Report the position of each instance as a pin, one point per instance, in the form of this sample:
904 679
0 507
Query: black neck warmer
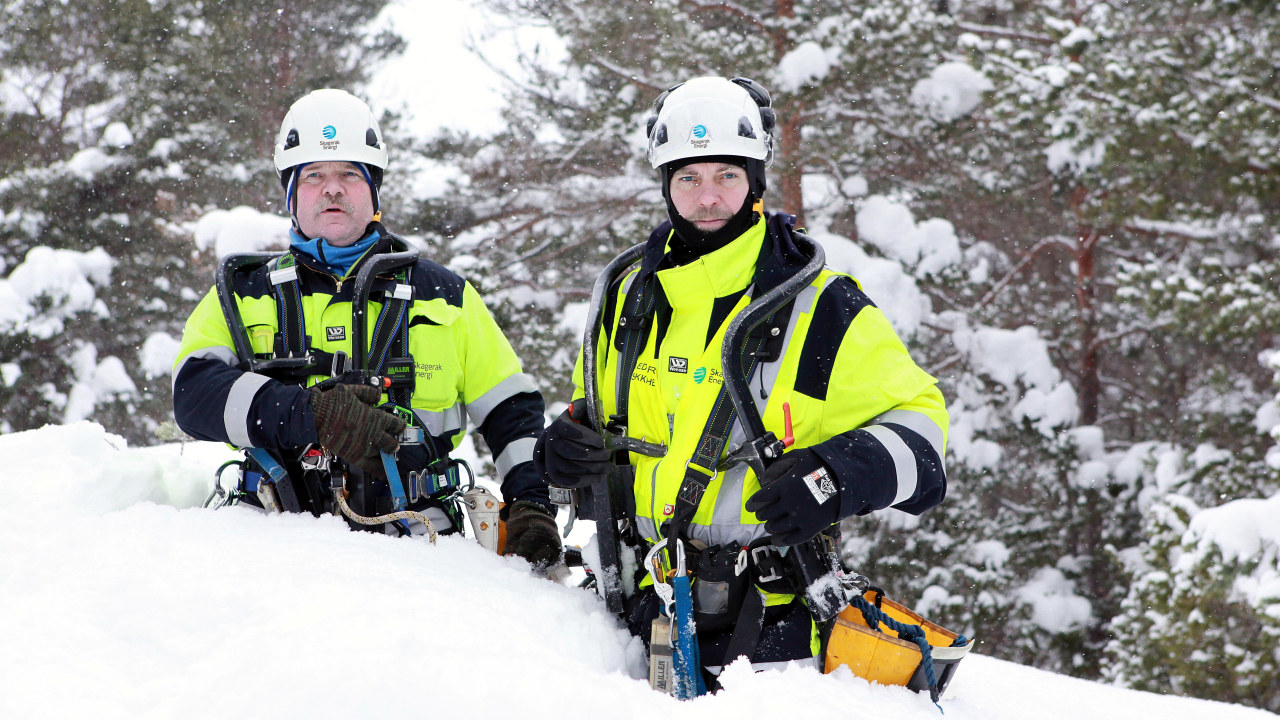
689 242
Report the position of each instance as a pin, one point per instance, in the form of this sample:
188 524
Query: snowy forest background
1069 209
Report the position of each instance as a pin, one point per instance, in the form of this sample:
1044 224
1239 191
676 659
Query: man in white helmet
864 426
302 397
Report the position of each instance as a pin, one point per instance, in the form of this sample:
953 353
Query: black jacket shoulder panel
432 280
834 312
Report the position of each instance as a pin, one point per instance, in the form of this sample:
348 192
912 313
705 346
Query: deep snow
121 597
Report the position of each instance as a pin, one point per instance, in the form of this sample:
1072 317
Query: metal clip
653 564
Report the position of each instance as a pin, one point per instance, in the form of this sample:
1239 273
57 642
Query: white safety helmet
711 116
330 125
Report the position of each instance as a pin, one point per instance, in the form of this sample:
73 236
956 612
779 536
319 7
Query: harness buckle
768 563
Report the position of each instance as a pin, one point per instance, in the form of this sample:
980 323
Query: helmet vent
744 128
292 140
371 138
660 136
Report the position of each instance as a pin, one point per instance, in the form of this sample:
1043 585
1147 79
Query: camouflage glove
532 534
352 428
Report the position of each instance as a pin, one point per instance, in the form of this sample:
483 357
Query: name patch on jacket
678 365
335 333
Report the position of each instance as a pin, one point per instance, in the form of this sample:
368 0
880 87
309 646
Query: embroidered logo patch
668 509
335 333
821 484
678 365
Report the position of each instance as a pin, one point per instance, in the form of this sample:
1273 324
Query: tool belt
725 576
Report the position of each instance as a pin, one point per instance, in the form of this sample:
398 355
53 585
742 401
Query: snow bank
123 599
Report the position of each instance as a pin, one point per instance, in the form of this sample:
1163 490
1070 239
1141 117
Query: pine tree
135 121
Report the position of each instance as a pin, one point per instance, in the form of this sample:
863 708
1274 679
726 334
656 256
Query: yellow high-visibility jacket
855 395
463 366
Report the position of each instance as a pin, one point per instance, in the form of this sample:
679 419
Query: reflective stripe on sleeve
235 414
516 452
216 352
917 422
904 461
480 408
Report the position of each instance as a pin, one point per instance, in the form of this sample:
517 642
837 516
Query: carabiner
653 564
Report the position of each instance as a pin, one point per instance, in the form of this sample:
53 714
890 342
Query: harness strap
702 467
291 341
635 321
391 333
747 629
388 350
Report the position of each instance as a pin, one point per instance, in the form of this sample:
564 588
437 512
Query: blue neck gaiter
337 259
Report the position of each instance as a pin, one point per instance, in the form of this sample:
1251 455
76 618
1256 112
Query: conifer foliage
1068 210
120 125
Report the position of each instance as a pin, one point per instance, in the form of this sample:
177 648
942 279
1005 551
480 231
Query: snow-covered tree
1089 284
119 128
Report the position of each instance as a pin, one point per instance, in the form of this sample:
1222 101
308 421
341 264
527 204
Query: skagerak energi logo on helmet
700 140
329 132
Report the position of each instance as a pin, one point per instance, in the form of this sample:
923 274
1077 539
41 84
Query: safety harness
295 359
761 564
832 595
388 350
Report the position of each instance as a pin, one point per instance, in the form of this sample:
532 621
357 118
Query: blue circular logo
329 132
699 131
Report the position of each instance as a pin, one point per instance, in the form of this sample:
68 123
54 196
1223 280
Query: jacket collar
386 243
779 258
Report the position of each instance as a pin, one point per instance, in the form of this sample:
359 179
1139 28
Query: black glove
799 497
569 453
532 534
352 428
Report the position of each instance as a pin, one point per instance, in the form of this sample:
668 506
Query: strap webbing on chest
701 468
391 337
388 349
635 320
292 338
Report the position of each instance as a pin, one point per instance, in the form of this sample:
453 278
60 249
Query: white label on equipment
820 484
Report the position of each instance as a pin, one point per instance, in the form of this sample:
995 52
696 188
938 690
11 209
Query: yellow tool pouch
884 642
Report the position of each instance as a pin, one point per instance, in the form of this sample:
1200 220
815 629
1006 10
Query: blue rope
912 633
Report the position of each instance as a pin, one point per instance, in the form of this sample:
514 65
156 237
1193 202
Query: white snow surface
952 91
124 599
807 64
241 229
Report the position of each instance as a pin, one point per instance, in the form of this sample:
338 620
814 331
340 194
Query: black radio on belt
400 372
